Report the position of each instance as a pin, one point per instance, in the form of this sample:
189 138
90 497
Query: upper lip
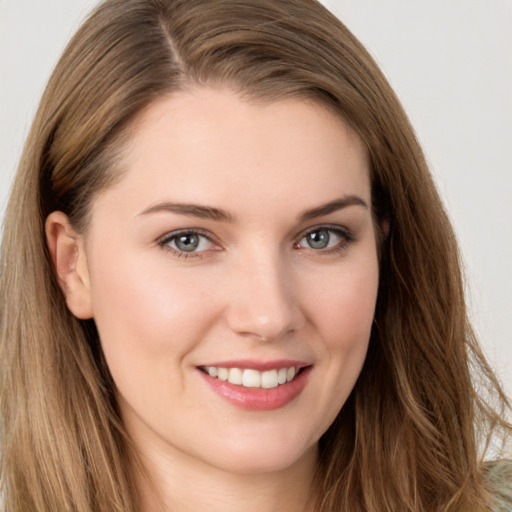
259 365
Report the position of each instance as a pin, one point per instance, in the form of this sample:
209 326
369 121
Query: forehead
210 146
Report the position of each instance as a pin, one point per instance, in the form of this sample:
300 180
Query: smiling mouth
251 378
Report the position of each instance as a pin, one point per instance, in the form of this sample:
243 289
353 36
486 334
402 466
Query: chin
268 456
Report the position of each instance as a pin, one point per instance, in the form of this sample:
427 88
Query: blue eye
325 238
187 242
318 239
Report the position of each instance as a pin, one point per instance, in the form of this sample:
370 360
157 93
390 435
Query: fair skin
239 236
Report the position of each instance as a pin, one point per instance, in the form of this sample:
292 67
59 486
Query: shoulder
499 483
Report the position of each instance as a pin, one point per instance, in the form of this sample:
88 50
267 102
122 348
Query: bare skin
240 236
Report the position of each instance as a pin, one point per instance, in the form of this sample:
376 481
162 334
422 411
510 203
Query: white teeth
222 374
290 374
269 379
250 378
235 376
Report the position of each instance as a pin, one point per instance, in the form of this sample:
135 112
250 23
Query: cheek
344 309
143 321
342 312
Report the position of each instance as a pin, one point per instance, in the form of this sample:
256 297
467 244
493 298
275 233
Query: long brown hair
412 434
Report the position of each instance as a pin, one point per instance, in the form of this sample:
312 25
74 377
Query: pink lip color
259 399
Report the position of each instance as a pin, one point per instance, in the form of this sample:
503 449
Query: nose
263 303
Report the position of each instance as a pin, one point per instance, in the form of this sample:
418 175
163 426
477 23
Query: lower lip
259 399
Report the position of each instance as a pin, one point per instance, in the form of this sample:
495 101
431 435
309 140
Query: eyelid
347 235
164 241
344 231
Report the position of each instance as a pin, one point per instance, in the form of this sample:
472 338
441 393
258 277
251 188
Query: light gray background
450 62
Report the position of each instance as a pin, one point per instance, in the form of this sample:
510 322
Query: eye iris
318 239
187 242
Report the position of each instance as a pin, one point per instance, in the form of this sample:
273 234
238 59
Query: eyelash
172 237
345 235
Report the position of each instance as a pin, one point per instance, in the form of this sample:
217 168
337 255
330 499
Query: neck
169 483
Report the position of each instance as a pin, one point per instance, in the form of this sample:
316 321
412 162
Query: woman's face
238 245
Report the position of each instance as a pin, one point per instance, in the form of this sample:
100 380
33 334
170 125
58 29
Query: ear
70 261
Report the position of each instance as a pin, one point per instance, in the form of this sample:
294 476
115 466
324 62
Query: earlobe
70 262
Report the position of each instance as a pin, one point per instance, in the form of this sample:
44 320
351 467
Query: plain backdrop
450 62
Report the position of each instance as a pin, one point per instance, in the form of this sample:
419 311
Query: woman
234 284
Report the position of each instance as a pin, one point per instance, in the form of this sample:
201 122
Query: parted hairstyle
413 433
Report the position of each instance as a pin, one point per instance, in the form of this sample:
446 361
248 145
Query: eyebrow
218 214
190 210
333 206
